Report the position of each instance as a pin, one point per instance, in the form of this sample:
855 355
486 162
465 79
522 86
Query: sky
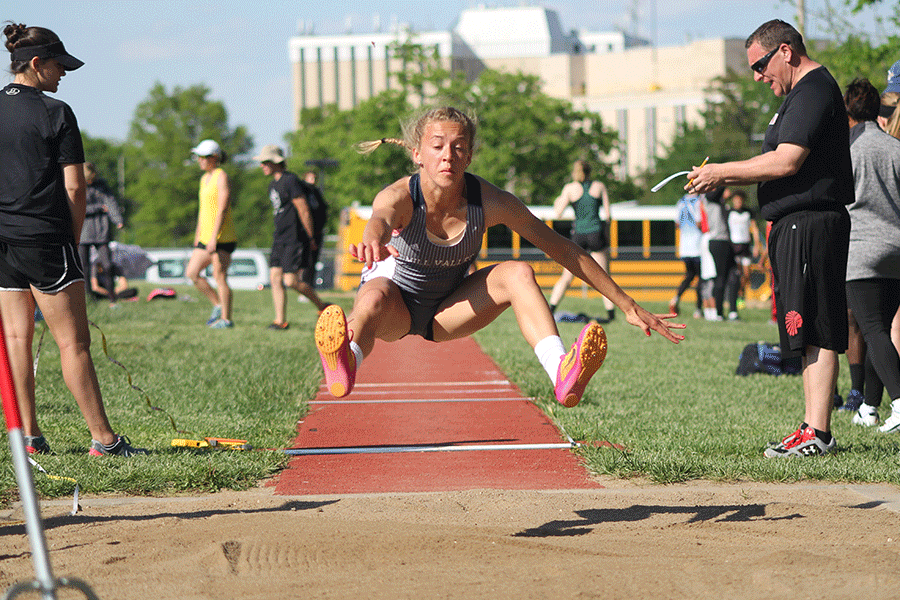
239 49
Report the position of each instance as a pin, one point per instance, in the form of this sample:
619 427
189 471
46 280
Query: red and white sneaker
803 442
333 343
579 364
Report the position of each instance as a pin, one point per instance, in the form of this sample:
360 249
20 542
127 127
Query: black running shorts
808 251
48 268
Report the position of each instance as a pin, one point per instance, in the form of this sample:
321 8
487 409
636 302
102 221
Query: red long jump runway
429 417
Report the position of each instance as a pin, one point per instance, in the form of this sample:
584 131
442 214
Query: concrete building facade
643 92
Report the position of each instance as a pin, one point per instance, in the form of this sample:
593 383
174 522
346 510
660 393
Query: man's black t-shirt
813 116
38 135
288 229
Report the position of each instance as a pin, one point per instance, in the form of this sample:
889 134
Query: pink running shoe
333 342
580 364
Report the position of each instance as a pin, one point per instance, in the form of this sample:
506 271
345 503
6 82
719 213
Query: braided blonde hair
414 129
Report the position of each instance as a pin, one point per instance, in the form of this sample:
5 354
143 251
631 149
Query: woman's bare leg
17 312
220 262
484 295
66 316
200 259
378 313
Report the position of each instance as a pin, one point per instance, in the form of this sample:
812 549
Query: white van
249 268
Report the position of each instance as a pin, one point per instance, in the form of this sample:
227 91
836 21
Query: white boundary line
402 449
395 393
427 384
418 400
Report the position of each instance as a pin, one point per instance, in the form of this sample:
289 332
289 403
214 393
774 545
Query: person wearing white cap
293 239
215 238
42 208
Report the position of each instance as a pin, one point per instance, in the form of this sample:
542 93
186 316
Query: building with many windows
643 92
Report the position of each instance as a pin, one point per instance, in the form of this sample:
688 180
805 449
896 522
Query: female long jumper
418 247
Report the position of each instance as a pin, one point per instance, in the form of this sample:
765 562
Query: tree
162 179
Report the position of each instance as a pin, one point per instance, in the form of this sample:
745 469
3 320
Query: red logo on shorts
793 322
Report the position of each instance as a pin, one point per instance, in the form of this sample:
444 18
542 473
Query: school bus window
499 236
563 228
662 233
630 234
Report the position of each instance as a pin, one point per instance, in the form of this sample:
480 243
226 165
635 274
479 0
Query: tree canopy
162 178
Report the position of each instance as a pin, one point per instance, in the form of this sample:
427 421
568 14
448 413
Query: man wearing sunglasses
805 180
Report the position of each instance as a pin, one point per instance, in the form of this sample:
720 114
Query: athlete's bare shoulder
396 200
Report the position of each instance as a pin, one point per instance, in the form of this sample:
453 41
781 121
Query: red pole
33 524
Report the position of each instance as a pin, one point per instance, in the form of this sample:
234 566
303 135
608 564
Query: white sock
550 352
357 352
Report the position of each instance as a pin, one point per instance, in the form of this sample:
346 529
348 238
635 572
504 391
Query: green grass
678 410
247 382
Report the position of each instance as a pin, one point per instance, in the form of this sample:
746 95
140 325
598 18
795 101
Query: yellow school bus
643 252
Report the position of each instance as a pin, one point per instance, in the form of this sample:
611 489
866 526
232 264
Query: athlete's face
444 152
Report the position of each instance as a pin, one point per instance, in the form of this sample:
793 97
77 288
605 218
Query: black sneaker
803 442
122 447
854 400
36 444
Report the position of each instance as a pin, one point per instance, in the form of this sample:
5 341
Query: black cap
55 50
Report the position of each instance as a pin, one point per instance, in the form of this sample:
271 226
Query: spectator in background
101 209
122 289
862 373
873 266
888 116
687 221
42 206
319 208
805 179
719 245
215 239
745 247
294 235
590 229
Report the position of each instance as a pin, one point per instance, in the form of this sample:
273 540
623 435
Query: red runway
429 417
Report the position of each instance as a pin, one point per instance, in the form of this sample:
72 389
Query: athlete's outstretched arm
502 207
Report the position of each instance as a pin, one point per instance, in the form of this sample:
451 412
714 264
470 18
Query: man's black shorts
48 268
808 251
288 257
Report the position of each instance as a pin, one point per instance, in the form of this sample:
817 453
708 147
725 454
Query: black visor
55 50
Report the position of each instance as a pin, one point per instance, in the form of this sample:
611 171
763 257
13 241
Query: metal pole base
35 586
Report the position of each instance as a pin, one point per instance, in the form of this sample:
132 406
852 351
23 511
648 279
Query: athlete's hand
372 252
639 317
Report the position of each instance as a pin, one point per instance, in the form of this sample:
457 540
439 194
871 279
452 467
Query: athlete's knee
373 299
516 274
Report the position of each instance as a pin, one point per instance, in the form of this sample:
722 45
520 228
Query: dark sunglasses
760 65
